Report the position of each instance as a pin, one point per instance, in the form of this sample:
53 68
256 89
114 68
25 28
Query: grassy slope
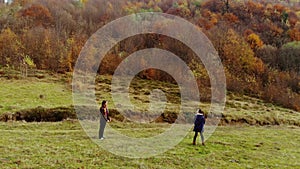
256 111
16 95
25 93
65 145
19 93
251 110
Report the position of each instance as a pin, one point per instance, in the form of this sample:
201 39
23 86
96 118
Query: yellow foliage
214 19
9 47
83 1
29 62
254 41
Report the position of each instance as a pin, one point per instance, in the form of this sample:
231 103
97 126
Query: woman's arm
108 118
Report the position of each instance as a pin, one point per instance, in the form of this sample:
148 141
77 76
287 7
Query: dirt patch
41 114
167 118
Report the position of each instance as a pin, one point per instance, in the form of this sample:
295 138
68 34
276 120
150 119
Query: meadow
266 137
65 145
39 89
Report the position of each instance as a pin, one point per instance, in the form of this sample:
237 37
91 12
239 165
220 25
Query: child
199 126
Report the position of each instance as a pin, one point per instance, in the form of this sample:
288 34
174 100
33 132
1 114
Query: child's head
200 111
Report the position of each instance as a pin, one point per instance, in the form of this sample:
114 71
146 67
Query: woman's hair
103 102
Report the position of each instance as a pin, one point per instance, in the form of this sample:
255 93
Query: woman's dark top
105 114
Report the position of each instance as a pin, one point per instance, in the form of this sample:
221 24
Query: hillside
52 93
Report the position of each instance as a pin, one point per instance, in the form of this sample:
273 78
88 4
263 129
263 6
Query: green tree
289 57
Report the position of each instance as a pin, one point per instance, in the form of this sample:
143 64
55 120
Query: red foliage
293 19
294 34
231 18
39 14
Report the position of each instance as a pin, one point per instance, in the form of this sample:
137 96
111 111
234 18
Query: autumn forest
257 41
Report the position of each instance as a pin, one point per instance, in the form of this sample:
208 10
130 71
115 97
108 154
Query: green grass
65 145
139 92
24 94
257 111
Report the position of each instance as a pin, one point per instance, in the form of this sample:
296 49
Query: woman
199 126
104 117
